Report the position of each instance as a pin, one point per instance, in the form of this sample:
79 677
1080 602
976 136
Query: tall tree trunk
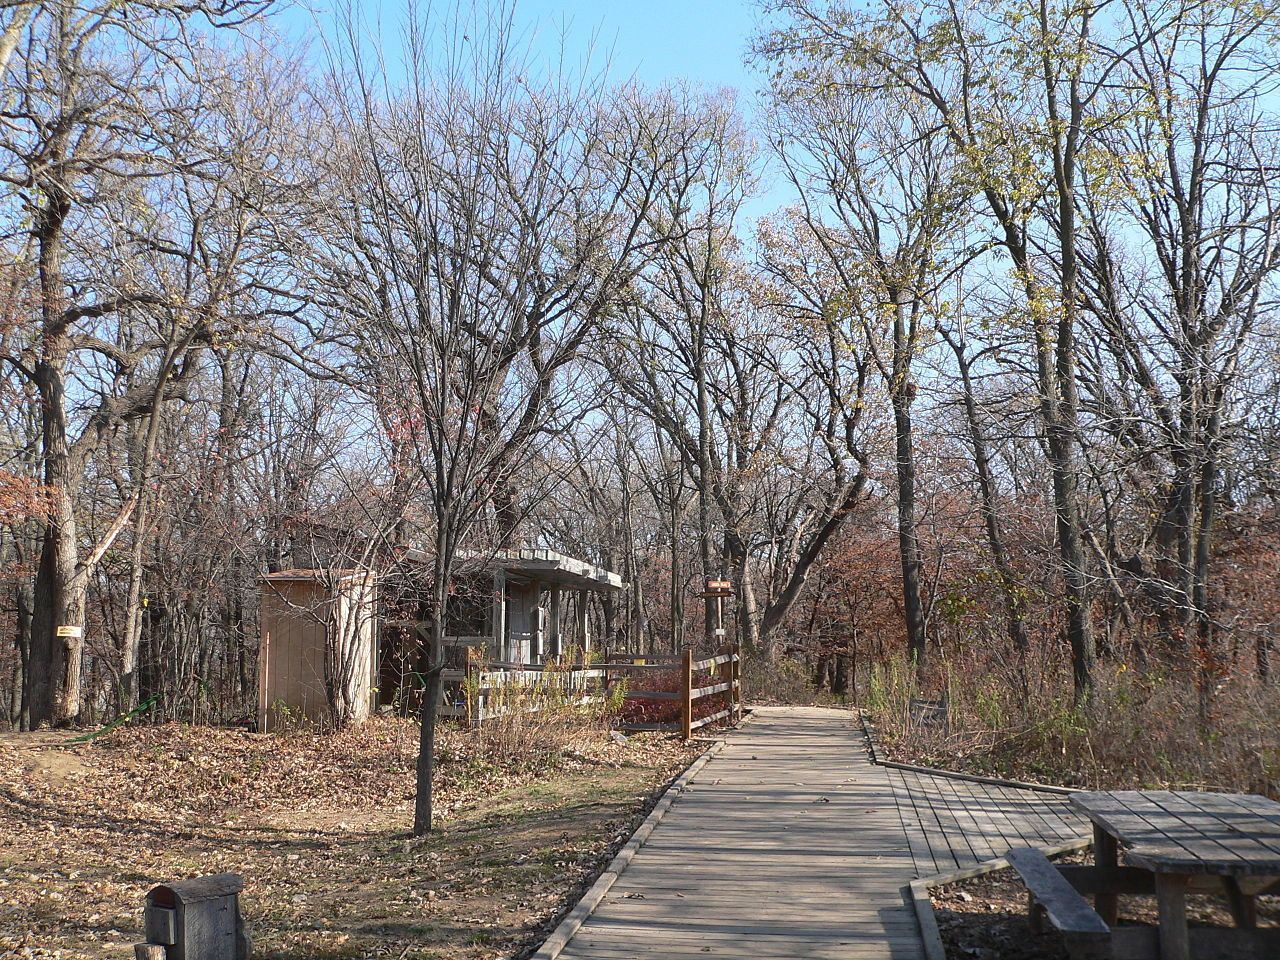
1210 668
753 641
431 668
23 597
908 539
990 515
1057 360
677 589
59 595
59 602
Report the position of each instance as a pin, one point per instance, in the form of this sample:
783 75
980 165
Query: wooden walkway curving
791 843
953 824
788 844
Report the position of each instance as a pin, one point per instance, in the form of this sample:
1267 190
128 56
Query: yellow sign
66 630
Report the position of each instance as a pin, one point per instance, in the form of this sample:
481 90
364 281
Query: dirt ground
319 828
986 918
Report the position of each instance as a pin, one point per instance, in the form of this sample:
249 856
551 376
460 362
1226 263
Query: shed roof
320 575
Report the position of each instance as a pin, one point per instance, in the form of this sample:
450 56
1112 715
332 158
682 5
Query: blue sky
655 41
703 41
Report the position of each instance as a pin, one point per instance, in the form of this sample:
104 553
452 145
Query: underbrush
1138 731
781 681
544 722
317 824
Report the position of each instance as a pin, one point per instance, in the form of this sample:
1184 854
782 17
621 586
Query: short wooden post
686 714
724 674
1243 909
469 689
735 692
1106 857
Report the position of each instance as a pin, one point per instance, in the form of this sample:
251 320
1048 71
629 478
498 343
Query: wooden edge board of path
554 945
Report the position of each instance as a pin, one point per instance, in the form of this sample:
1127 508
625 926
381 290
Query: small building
522 608
308 616
527 607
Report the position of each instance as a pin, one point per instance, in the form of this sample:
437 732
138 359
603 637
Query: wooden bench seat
1086 934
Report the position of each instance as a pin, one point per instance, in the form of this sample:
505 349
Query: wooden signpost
715 591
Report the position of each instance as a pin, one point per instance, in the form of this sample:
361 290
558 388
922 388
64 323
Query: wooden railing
696 680
475 695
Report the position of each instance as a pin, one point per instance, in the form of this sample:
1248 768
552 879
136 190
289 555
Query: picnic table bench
1173 844
1053 898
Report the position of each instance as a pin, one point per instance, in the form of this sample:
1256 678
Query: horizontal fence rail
474 695
695 681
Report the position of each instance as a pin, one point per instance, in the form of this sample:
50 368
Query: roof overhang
550 566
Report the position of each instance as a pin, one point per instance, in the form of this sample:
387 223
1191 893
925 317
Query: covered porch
541 604
523 609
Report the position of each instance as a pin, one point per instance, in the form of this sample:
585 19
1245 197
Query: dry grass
556 716
318 826
1138 731
781 681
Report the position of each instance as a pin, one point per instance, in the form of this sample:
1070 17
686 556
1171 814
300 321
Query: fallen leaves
317 825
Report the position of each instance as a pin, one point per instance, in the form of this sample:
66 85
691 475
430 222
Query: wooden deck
791 843
787 844
953 824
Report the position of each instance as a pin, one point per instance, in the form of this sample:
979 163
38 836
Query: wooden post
580 614
555 645
1106 857
498 616
686 714
736 675
472 693
1243 909
725 675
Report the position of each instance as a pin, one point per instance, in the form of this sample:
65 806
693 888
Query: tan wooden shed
316 624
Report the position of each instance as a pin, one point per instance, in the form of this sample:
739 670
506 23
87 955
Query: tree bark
431 663
901 391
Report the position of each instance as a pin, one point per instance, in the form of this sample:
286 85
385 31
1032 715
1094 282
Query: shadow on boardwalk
787 844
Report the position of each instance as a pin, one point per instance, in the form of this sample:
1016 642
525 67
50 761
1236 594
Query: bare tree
482 221
1178 269
95 120
879 193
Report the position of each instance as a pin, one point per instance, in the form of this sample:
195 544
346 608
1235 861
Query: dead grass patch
1139 731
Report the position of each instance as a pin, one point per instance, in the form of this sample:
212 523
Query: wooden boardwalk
953 824
788 844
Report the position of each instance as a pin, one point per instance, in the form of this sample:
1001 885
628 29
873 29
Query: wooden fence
474 695
696 681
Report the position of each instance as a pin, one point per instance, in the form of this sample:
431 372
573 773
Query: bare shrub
1139 730
780 681
541 722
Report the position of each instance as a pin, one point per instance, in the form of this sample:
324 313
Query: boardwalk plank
953 824
789 843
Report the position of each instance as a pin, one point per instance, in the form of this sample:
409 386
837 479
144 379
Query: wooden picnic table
1191 842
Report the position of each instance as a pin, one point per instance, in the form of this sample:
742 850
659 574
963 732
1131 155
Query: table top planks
1190 832
787 844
